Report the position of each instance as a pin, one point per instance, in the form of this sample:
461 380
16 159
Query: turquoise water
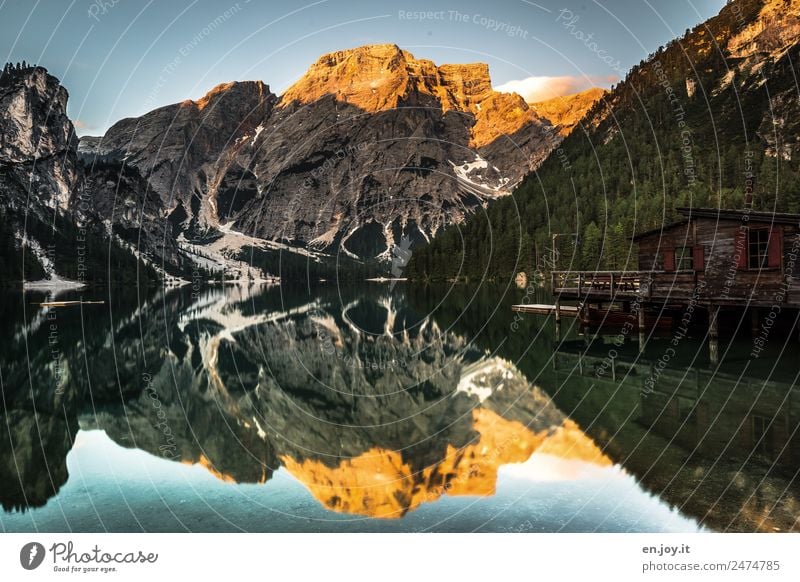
382 409
115 489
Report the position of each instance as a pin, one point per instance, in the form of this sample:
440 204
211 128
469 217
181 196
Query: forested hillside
704 121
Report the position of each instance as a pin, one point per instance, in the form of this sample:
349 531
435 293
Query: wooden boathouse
719 261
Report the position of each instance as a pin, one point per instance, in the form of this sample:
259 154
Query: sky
122 58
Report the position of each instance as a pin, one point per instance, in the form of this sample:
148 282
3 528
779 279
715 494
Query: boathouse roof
734 214
723 214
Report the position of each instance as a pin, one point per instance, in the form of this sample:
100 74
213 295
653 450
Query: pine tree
615 249
590 249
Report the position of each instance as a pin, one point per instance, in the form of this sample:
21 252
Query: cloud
81 127
534 89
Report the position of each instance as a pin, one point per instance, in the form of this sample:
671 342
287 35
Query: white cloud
81 126
534 89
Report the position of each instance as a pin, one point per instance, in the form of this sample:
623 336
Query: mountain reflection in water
376 403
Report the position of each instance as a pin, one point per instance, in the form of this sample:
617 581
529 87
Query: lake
391 407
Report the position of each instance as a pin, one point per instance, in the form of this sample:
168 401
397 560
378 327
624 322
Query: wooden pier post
558 319
641 329
713 334
754 321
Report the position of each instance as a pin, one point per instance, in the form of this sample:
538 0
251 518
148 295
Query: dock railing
607 283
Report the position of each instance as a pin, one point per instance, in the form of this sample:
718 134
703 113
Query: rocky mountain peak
369 77
239 104
37 139
566 111
775 28
380 77
33 115
230 91
372 146
182 148
501 114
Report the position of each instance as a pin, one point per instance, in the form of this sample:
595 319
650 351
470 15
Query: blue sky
121 58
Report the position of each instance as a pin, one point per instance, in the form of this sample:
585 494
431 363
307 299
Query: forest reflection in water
407 408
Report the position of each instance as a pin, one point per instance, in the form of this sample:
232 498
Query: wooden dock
714 260
68 303
543 309
601 318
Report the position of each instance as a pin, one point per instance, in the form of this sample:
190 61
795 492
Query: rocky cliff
184 150
566 112
370 147
61 222
709 119
37 140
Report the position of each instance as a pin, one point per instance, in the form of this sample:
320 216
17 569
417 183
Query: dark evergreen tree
630 170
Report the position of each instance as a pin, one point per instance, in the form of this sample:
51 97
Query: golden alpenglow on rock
379 483
382 77
565 112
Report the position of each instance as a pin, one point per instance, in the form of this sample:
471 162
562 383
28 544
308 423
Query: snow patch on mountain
474 177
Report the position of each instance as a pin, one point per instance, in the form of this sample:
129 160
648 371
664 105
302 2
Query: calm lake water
387 408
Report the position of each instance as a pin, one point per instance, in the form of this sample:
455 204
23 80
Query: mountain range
372 148
709 120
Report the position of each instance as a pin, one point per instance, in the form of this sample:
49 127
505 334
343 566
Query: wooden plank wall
791 261
721 275
651 247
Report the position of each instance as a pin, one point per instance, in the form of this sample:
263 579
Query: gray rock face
184 150
38 170
370 146
336 177
33 118
58 213
37 140
116 196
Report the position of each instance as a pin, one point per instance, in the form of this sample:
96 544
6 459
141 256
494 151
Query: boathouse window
684 259
757 245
